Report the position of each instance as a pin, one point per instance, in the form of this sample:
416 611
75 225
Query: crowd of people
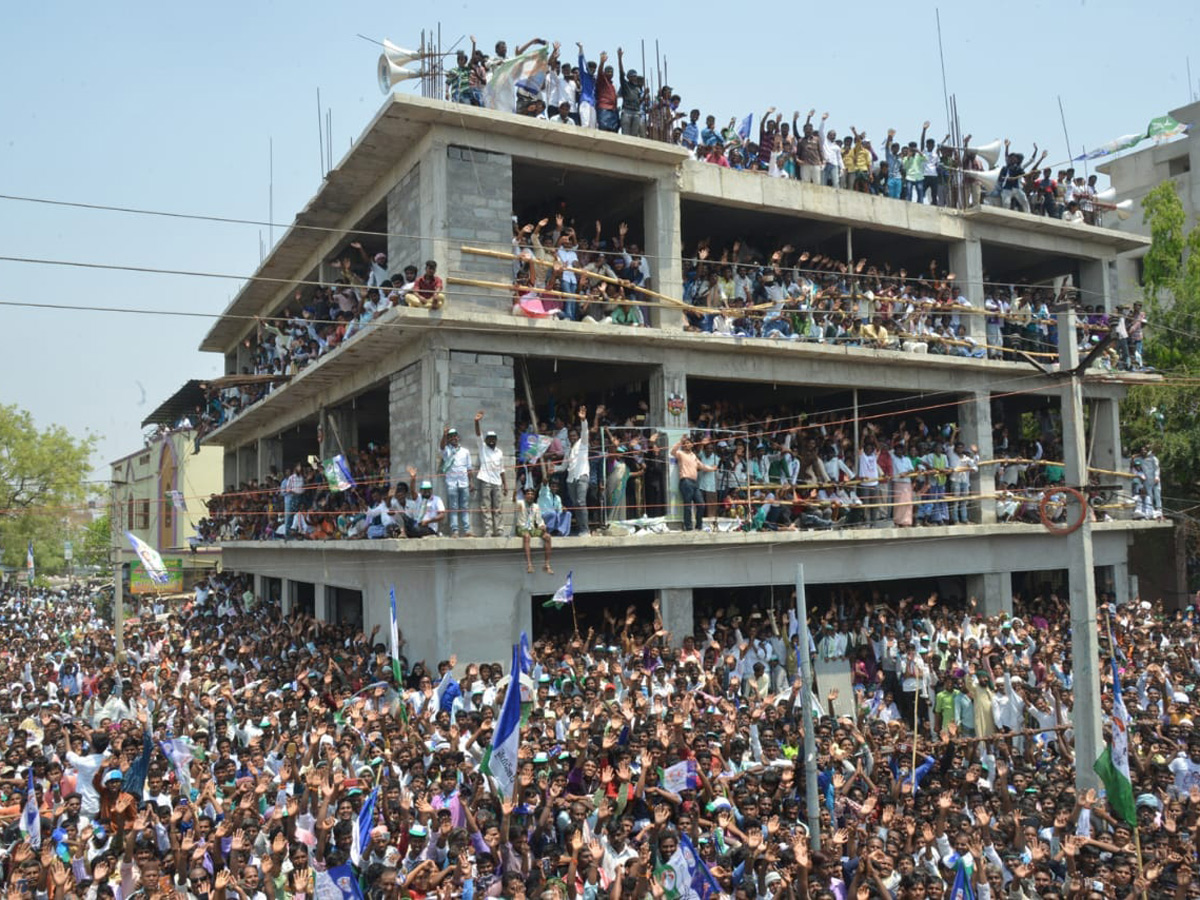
236 750
575 91
785 293
566 469
317 322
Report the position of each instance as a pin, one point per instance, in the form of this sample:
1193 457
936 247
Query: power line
231 220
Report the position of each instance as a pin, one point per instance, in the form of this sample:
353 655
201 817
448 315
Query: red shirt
427 286
606 92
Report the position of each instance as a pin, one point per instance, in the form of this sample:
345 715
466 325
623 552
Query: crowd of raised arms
592 94
239 752
570 272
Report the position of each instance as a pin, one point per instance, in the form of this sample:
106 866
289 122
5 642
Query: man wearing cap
490 478
428 510
456 468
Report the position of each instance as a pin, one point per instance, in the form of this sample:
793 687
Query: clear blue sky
171 107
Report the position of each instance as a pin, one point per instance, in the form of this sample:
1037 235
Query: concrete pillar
466 196
270 453
669 411
966 262
975 427
434 206
321 603
405 419
230 473
286 600
993 590
1095 284
664 247
1104 442
404 221
677 613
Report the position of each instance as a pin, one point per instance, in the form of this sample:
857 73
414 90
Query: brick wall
483 381
404 218
406 421
479 213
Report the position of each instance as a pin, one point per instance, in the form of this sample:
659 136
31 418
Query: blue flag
744 127
447 691
31 819
340 878
362 829
963 889
703 882
526 655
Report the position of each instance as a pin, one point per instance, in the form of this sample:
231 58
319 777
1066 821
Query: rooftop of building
404 121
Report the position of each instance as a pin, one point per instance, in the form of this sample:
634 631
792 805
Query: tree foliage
1167 416
43 480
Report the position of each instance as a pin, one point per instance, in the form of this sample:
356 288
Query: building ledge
676 540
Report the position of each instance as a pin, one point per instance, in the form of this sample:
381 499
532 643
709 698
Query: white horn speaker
391 74
990 152
398 55
1108 195
988 179
1124 209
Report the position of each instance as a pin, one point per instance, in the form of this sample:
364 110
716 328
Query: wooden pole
499 254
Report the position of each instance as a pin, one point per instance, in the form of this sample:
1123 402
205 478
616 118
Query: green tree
95 540
1167 416
43 479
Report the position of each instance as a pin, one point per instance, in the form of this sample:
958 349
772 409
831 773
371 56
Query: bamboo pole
499 254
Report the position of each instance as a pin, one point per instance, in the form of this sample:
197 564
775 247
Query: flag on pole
563 596
31 820
517 80
395 633
700 878
526 656
362 829
1163 127
177 500
744 126
337 473
29 561
178 752
683 776
501 759
1113 764
963 889
149 559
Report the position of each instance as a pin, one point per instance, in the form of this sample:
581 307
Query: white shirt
456 462
491 463
427 509
577 461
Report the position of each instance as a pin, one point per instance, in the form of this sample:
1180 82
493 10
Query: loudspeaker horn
398 55
988 179
1108 195
990 152
1124 209
391 74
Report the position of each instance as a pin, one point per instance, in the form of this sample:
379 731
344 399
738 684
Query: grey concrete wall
479 206
404 220
406 420
483 381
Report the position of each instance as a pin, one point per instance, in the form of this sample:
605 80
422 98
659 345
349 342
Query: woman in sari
614 488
